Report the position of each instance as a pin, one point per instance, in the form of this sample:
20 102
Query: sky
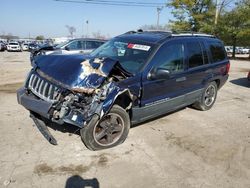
49 17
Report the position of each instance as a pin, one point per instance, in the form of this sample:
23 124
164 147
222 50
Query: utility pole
83 29
87 28
159 9
217 3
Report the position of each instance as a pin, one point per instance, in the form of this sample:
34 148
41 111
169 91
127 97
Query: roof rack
173 33
191 33
152 31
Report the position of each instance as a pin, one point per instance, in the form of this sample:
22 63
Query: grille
43 88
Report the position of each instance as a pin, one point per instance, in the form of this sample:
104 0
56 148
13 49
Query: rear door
90 45
198 70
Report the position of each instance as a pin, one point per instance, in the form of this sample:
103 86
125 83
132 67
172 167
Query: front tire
108 132
208 97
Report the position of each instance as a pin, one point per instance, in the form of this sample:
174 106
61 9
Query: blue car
132 78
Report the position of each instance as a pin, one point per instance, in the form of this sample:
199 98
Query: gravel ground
188 148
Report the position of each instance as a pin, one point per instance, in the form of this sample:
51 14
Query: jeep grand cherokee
129 79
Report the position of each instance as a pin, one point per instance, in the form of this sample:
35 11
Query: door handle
181 79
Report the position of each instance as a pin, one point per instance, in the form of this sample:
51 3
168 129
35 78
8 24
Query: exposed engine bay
94 92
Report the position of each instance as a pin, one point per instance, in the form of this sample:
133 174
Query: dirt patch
16 61
10 88
206 148
103 160
45 169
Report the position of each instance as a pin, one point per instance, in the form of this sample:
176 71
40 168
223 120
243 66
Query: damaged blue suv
133 77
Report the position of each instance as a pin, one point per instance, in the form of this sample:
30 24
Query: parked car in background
25 46
229 49
74 46
131 78
32 47
14 47
245 51
2 46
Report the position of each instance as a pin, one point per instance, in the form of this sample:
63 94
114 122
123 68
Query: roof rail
155 30
191 33
142 31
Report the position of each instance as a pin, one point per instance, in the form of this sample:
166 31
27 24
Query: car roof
145 36
92 39
159 37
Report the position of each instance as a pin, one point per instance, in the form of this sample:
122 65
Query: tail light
227 68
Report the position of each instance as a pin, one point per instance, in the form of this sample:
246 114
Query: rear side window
90 45
195 54
217 51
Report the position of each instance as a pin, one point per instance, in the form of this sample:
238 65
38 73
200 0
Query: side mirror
159 74
67 48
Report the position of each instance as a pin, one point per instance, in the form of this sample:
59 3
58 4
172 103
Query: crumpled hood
76 71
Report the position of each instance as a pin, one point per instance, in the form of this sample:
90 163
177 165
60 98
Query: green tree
234 26
192 15
40 37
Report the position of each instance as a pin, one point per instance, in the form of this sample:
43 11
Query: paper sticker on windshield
139 47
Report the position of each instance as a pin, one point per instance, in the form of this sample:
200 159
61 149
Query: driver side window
171 57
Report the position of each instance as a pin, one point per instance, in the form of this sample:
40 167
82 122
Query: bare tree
71 30
98 35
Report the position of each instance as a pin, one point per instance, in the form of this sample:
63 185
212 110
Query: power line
113 3
127 2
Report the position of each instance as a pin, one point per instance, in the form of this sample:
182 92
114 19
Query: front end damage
72 94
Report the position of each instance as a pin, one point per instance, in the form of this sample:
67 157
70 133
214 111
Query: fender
113 96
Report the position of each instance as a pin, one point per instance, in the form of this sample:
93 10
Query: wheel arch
123 98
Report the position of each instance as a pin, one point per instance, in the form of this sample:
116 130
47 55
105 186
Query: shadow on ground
241 82
64 128
77 181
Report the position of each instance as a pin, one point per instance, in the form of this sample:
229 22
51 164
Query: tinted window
205 56
76 45
171 57
195 54
217 51
91 45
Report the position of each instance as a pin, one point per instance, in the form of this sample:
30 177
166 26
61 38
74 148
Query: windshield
13 43
131 55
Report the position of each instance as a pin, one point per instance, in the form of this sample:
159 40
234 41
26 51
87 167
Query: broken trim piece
111 98
43 129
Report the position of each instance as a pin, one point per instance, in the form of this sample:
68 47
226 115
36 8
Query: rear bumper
14 50
31 103
223 80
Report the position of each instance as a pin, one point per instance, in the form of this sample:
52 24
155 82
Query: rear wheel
108 132
208 97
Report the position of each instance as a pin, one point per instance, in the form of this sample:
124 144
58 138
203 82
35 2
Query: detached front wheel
108 132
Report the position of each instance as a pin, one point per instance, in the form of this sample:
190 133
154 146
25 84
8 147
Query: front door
159 96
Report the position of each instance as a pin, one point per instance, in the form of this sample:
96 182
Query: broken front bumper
33 104
45 109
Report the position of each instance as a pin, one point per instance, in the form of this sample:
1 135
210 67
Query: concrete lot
188 148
